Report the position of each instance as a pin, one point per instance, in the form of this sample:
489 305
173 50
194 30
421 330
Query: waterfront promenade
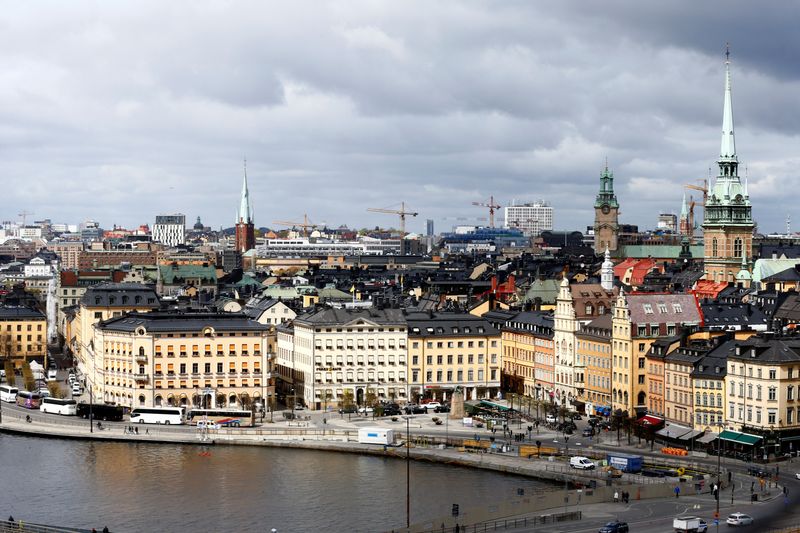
337 433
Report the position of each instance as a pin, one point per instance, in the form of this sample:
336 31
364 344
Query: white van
76 389
52 374
581 463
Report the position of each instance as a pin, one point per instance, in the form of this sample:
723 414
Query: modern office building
170 229
530 218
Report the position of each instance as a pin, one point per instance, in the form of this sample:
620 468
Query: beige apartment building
189 359
528 362
449 351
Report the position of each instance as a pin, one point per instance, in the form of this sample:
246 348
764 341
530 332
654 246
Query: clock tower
606 215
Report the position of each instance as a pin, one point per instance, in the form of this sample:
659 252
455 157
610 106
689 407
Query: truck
376 436
625 462
689 524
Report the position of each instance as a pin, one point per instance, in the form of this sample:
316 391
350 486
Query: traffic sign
716 521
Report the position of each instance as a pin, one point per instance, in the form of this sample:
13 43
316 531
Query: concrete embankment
335 440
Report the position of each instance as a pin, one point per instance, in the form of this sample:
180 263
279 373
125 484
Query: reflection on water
139 487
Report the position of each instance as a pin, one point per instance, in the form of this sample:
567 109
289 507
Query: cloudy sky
119 111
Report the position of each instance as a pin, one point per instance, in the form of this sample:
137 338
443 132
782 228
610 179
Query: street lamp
408 470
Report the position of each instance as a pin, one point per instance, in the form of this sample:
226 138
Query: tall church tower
728 219
245 231
606 215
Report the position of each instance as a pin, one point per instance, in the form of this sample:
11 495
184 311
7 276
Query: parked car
550 419
593 420
739 519
444 408
414 409
347 410
797 475
391 410
365 410
431 405
588 432
614 527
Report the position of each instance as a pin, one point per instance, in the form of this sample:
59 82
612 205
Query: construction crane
305 224
492 206
704 189
402 212
24 216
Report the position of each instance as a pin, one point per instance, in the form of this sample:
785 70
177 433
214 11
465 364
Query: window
648 309
714 247
415 360
737 247
662 308
790 415
772 374
772 396
676 308
771 416
790 393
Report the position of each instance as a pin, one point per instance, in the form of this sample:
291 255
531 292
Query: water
133 487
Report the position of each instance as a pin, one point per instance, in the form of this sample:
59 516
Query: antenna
788 225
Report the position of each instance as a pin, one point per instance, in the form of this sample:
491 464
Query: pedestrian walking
627 496
136 430
616 496
677 491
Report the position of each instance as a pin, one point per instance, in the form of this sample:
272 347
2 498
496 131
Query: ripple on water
136 487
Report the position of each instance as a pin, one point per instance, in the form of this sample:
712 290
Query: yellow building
527 340
453 350
102 302
23 335
167 358
593 355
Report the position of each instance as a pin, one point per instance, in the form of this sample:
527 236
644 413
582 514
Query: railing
8 526
509 523
140 377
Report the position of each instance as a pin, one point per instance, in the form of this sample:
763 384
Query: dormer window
648 309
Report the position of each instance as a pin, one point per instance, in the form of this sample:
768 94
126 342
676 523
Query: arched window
737 247
714 247
141 399
158 401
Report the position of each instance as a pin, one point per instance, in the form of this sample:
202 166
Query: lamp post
719 474
408 471
293 401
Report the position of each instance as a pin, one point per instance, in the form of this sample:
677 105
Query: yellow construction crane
305 224
402 212
492 206
704 189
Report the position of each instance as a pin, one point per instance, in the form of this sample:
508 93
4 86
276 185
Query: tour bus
222 417
59 406
29 400
8 393
158 415
101 411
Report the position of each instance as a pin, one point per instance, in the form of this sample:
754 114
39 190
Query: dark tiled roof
120 295
13 312
159 321
329 316
768 349
729 315
449 325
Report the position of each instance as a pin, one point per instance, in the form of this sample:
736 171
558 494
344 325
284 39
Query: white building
329 351
170 229
531 218
565 326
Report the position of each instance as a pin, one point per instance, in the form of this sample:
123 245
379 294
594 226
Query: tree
220 400
348 399
563 411
11 378
55 389
246 401
27 376
325 397
370 398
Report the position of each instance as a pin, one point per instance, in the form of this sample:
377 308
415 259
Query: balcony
141 359
140 377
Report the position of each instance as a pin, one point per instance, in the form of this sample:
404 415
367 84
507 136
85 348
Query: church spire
245 213
727 148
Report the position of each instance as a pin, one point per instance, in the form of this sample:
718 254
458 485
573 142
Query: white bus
8 393
59 406
158 415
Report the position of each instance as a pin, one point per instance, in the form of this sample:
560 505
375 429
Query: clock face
605 210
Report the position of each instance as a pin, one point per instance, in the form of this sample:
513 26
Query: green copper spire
606 195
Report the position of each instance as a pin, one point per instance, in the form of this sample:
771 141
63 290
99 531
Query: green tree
27 376
562 412
348 399
11 378
325 398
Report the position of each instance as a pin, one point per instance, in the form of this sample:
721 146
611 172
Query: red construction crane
492 206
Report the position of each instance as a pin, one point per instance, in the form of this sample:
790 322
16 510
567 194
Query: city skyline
438 107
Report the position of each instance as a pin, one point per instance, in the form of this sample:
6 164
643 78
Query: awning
739 438
650 420
673 431
708 437
690 435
